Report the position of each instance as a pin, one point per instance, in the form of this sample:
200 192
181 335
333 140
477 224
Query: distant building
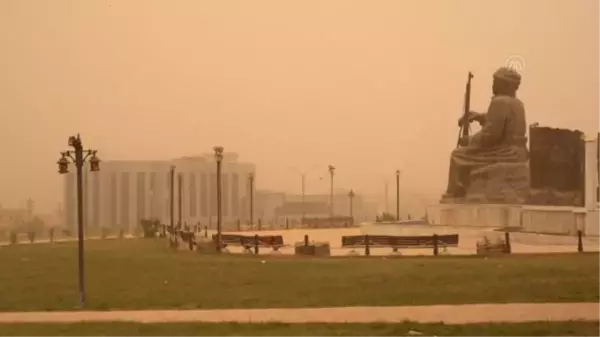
13 217
265 204
294 210
124 192
318 206
16 217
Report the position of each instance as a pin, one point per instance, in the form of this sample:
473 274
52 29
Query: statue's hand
471 116
464 141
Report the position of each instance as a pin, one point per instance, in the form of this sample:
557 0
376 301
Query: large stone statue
491 166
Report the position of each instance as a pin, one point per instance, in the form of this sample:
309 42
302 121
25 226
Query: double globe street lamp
79 156
351 196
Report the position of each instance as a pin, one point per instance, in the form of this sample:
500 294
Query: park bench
251 241
188 237
498 246
397 242
175 234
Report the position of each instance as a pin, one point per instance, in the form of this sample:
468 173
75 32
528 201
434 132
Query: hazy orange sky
367 86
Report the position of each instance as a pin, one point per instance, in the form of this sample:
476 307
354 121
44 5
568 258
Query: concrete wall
549 219
592 223
498 216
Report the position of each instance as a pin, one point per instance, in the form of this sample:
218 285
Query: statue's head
506 82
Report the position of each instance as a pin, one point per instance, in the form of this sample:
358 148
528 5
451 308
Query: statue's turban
508 75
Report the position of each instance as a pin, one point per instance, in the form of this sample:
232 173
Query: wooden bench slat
246 240
422 241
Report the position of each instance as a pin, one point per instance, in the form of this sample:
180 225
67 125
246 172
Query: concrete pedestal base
502 183
475 215
536 219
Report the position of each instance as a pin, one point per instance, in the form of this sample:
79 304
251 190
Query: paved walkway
450 314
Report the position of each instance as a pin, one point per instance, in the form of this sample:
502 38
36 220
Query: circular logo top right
515 62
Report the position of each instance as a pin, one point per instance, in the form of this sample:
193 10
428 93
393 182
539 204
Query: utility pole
219 158
180 199
351 196
331 210
303 175
172 197
303 198
251 193
397 195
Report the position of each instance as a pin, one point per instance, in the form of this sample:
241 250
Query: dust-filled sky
367 86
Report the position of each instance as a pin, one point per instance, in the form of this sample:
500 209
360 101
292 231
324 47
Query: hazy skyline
367 86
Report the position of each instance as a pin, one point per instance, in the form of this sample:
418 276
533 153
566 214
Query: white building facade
123 193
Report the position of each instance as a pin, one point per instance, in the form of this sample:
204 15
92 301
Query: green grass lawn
276 329
145 274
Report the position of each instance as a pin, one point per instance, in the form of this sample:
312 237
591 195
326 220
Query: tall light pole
303 175
180 200
218 158
303 199
351 196
331 210
397 195
251 193
172 197
78 155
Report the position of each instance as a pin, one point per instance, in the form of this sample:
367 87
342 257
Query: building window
152 187
193 200
203 195
96 199
169 209
180 198
225 191
235 194
141 197
213 194
124 200
113 200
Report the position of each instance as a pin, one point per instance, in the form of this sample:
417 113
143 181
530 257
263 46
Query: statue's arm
473 117
481 118
493 127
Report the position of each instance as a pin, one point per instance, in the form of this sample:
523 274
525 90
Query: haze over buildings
123 193
366 86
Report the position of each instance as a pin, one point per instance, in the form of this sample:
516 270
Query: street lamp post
303 175
251 193
351 198
303 198
180 200
172 198
78 155
218 158
331 210
397 195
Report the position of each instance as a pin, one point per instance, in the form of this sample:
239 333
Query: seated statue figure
494 160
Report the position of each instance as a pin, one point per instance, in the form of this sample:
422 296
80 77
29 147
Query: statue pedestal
475 215
527 218
502 183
